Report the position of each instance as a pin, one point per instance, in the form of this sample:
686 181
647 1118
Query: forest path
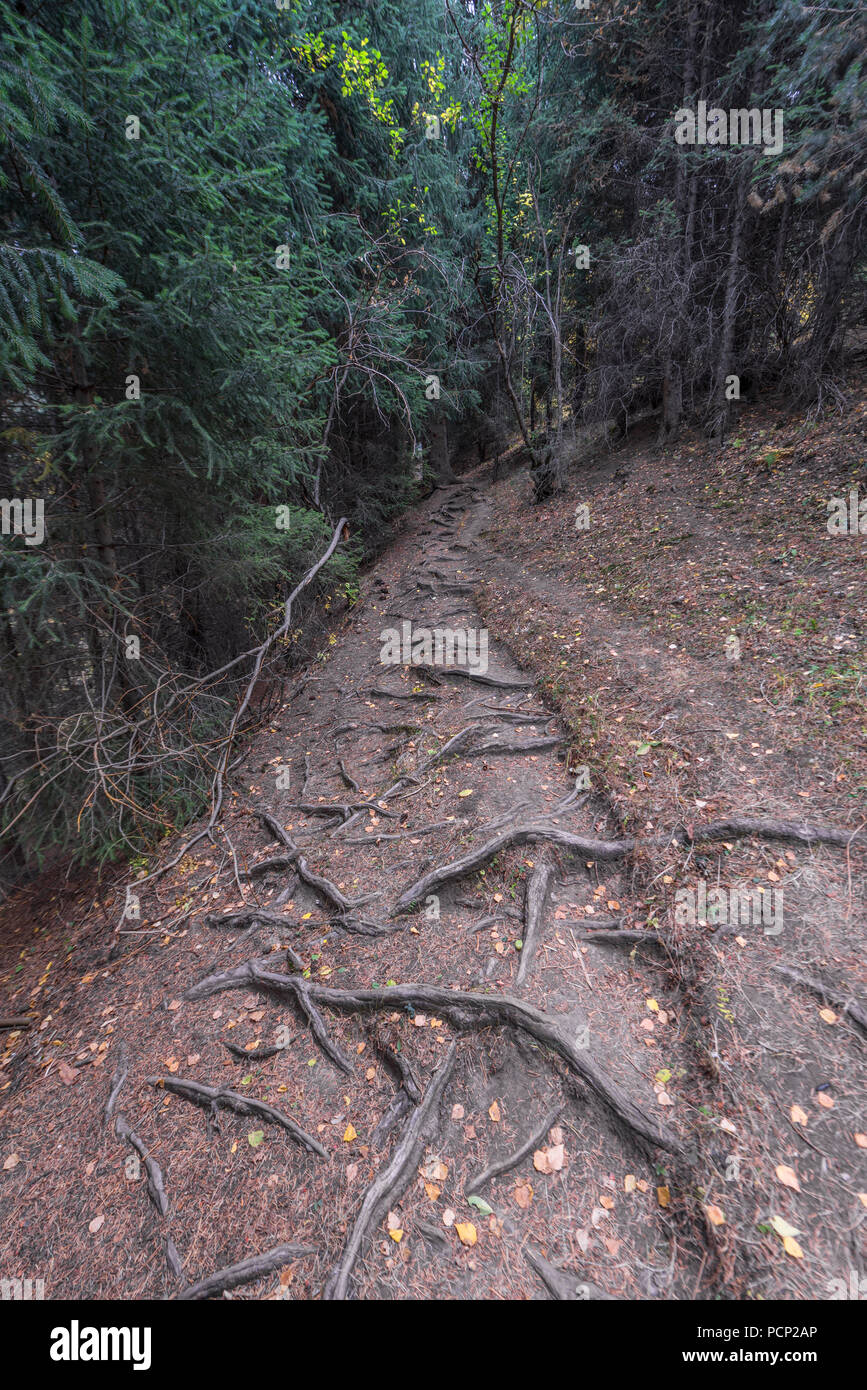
403 1049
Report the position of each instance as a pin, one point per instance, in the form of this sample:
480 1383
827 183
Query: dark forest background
264 265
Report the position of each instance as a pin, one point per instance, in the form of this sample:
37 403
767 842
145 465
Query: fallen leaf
549 1160
663 1196
715 1215
11 1162
788 1177
255 1138
607 1203
432 1190
798 1116
523 1195
611 1245
826 1101
791 1247
629 1183
494 1112
861 1141
828 1015
449 1217
467 1233
95 1224
350 1134
783 1228
457 1112
480 1204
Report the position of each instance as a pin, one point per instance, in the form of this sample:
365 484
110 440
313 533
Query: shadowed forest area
434 525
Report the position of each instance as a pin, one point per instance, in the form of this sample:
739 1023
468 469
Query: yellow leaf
826 1101
629 1183
494 1112
783 1228
468 791
350 1134
653 1006
791 1247
799 1116
467 1233
663 1196
715 1215
788 1177
828 1015
432 1190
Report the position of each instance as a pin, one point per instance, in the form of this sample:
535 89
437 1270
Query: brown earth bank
433 1016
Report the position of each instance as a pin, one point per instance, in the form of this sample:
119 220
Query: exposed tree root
614 849
375 839
117 1081
297 861
14 1023
390 1184
505 1165
563 1284
521 834
534 911
155 1185
463 1010
832 994
399 1105
258 1054
500 682
245 1272
173 1259
211 1097
247 917
804 831
500 745
622 936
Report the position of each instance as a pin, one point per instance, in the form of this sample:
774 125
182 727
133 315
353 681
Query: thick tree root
399 1105
803 831
156 1187
245 1272
390 1184
210 1097
499 682
832 994
604 850
322 885
563 1284
505 1165
15 1023
117 1081
534 911
521 834
464 1010
622 936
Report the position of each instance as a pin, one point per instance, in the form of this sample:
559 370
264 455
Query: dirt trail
406 1054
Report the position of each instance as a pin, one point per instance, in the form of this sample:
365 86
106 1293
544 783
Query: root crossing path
383 1052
